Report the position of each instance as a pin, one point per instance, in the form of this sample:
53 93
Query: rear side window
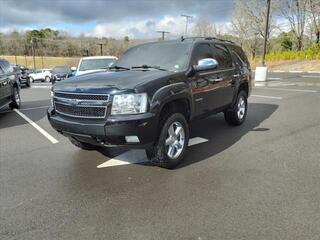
222 55
240 54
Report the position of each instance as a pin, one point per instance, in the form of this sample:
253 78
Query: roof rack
206 38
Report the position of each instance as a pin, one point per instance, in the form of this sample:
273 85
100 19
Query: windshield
171 56
60 70
93 64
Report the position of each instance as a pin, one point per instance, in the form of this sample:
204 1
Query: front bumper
107 132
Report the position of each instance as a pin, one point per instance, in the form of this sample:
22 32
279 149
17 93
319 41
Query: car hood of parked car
106 82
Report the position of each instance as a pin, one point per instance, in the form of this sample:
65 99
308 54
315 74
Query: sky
111 18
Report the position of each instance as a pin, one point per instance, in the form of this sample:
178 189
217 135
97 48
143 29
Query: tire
31 79
82 145
47 79
28 84
169 149
16 100
237 115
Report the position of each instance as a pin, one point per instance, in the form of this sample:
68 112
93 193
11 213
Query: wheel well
244 87
179 105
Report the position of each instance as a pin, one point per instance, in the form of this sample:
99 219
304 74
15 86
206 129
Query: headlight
51 98
129 104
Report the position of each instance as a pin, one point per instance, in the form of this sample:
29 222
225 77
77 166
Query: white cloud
141 28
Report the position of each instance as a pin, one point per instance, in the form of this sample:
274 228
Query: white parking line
263 96
310 76
289 89
33 108
274 78
45 86
36 126
138 156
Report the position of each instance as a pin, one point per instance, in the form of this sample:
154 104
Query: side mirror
206 64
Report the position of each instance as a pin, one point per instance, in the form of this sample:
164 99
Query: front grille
81 105
77 111
82 96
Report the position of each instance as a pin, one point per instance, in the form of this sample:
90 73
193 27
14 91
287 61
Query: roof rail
206 38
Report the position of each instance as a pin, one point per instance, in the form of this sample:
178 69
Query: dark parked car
60 72
9 86
152 94
22 75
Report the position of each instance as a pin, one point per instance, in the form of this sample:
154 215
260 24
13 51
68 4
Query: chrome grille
81 105
81 96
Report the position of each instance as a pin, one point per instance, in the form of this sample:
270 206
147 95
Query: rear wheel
172 142
237 114
31 79
16 100
82 145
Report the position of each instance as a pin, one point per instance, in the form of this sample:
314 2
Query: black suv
149 96
22 74
9 86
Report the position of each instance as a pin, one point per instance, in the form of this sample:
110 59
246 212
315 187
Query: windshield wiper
118 67
148 66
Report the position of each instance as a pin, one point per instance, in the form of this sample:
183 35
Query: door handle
216 80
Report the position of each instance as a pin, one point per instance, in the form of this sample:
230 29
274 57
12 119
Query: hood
107 82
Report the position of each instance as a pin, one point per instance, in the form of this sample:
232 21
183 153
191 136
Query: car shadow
35 110
221 136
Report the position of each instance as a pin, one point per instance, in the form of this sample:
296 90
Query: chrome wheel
241 108
17 97
175 140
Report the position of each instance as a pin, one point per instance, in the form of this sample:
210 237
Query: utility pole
266 34
163 33
187 21
33 53
100 44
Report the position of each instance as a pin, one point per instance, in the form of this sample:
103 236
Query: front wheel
172 142
237 115
47 79
16 100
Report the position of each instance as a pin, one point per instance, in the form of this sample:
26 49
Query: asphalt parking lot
257 181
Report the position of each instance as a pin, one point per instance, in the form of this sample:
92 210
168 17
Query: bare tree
204 28
248 23
295 11
314 10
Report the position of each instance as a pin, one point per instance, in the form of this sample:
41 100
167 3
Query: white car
94 64
41 75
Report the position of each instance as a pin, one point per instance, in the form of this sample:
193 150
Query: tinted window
1 71
168 55
201 51
240 53
223 57
6 66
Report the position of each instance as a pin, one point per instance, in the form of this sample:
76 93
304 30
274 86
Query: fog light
132 139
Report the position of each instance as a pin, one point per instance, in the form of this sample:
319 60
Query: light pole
163 33
266 34
187 21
